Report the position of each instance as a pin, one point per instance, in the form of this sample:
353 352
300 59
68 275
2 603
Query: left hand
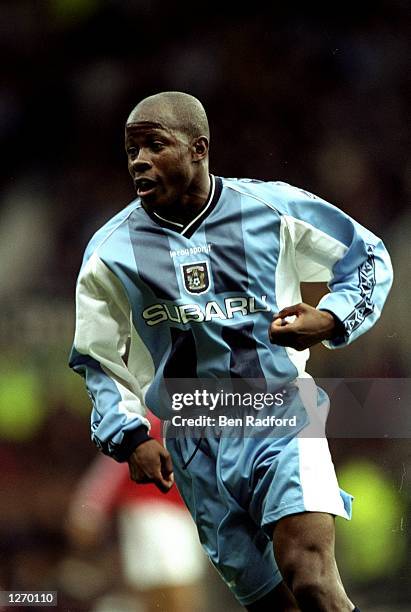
309 327
151 462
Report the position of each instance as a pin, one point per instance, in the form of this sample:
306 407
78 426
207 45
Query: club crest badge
196 277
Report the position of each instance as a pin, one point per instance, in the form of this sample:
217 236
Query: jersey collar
216 185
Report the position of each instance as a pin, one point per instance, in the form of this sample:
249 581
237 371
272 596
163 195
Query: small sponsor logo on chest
193 250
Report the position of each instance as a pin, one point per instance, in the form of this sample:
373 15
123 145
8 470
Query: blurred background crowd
315 96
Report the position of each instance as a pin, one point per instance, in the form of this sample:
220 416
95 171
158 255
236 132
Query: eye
157 146
132 152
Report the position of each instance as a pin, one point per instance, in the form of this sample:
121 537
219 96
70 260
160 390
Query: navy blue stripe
151 248
244 359
227 255
182 360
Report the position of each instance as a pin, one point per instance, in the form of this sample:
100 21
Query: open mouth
144 186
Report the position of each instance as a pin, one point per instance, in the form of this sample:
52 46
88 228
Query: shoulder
110 231
276 195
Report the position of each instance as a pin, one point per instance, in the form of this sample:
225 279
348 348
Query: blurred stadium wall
309 96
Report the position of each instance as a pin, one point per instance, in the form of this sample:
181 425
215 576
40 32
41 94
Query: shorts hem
274 516
262 591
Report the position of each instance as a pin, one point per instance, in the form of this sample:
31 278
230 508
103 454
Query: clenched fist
308 327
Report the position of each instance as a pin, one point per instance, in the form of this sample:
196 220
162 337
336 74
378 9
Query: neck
190 204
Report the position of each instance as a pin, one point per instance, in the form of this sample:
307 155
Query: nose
141 162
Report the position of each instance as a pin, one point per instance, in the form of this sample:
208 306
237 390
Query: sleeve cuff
340 334
131 440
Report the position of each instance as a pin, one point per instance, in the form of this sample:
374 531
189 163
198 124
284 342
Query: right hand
151 462
310 326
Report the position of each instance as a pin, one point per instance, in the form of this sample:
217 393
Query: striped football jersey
157 300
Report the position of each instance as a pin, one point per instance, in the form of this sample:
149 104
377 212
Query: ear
200 148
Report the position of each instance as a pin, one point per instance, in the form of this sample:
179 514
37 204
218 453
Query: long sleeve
103 329
330 246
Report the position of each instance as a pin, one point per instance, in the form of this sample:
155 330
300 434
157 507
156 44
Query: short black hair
185 112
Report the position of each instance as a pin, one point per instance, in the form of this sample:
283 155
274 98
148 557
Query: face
160 161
